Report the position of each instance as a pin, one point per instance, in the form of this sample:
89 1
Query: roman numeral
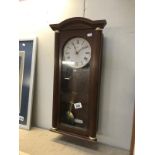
77 41
68 57
87 52
85 47
66 52
85 58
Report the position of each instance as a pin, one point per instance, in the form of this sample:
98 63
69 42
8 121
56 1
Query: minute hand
82 48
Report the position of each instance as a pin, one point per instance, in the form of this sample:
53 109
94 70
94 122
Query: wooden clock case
84 85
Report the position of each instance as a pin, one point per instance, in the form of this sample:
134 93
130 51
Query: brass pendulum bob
70 116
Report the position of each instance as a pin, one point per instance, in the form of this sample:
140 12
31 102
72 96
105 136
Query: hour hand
74 46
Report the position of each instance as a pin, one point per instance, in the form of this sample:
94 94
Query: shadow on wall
102 90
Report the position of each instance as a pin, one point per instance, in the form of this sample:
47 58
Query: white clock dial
77 52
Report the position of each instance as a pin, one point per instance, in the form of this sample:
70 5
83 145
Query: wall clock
77 68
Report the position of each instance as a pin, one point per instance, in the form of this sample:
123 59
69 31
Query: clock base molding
99 138
93 138
90 139
53 129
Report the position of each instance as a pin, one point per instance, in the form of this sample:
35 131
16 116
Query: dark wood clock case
77 85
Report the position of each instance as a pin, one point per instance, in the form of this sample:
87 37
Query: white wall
117 82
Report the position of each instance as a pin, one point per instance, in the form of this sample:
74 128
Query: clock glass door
75 70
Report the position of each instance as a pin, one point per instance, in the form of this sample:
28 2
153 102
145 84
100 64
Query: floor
43 142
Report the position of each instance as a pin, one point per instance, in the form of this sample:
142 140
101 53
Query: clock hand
82 48
74 47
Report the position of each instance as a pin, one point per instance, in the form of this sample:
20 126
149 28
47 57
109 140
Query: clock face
77 52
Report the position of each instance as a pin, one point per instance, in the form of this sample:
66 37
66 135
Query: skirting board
110 141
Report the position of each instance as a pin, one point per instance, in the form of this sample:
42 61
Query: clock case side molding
68 29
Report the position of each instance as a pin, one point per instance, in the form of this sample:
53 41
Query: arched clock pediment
78 23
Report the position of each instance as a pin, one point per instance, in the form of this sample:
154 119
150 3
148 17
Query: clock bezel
90 51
